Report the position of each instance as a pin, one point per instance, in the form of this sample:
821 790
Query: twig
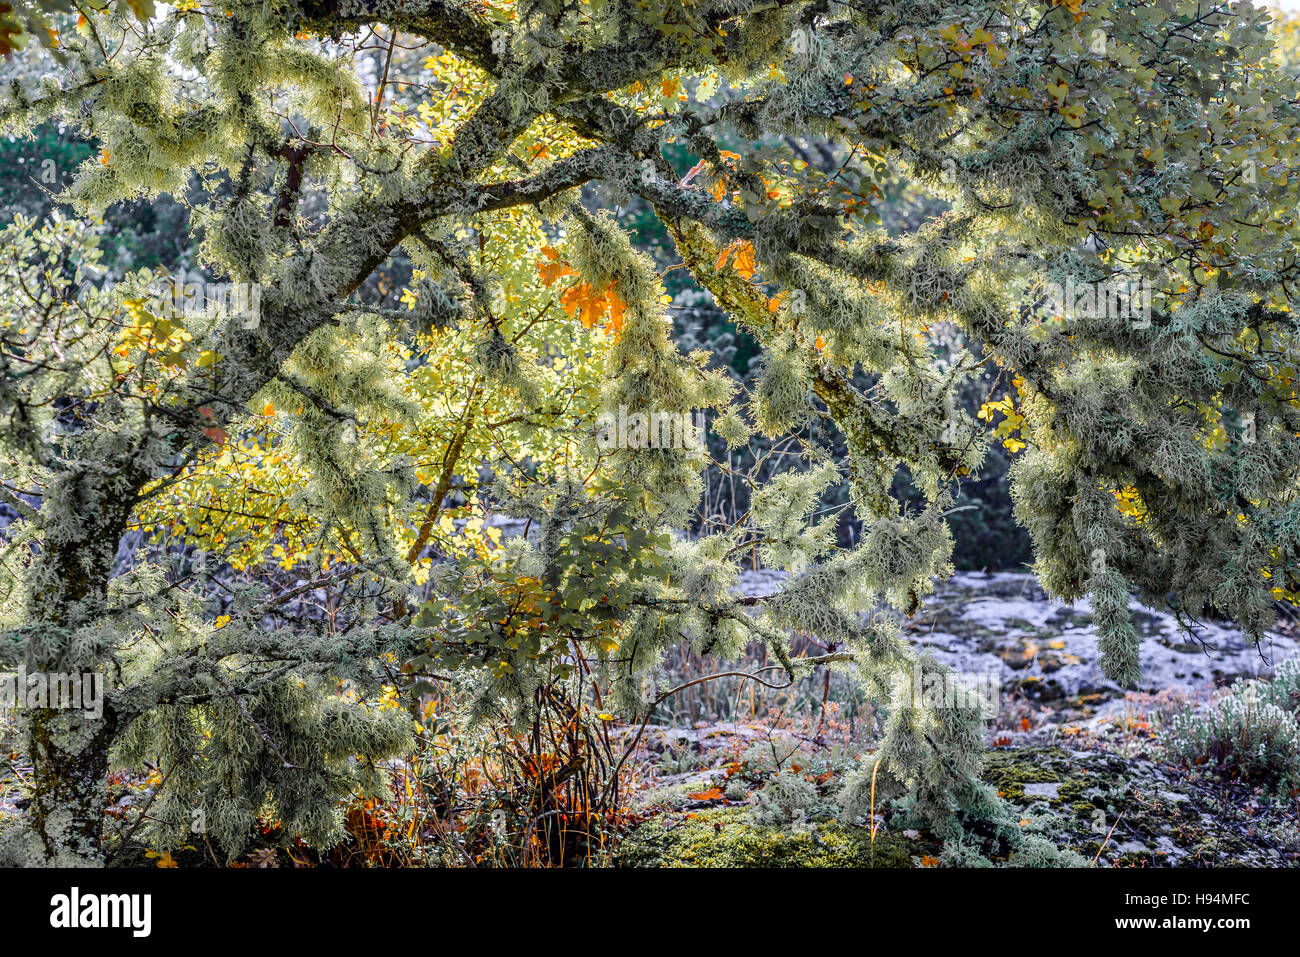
1107 841
682 687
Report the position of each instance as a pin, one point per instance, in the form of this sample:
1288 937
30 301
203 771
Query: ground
1077 756
1117 811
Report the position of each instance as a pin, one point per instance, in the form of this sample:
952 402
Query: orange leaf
553 270
584 303
744 261
712 794
616 309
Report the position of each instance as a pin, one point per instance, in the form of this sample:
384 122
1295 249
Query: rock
1004 627
1004 624
1043 789
1103 802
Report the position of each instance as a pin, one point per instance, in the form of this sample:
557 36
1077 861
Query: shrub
1284 688
1245 734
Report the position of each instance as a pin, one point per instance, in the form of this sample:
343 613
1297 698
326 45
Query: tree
1116 242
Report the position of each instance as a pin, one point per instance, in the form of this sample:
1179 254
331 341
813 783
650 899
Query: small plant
1284 688
1245 734
787 799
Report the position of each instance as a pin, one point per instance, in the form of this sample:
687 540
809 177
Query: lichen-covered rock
1137 812
1004 624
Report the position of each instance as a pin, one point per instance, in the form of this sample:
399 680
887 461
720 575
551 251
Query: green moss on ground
1010 771
726 837
1138 813
1121 811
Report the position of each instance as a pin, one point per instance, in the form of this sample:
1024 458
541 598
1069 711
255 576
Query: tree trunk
68 590
69 752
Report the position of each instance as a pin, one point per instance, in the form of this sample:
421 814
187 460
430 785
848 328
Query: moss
1010 771
1121 811
726 837
1067 618
1107 802
1149 626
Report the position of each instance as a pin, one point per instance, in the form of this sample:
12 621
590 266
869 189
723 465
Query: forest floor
1076 755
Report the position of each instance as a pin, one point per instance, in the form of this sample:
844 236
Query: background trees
401 186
